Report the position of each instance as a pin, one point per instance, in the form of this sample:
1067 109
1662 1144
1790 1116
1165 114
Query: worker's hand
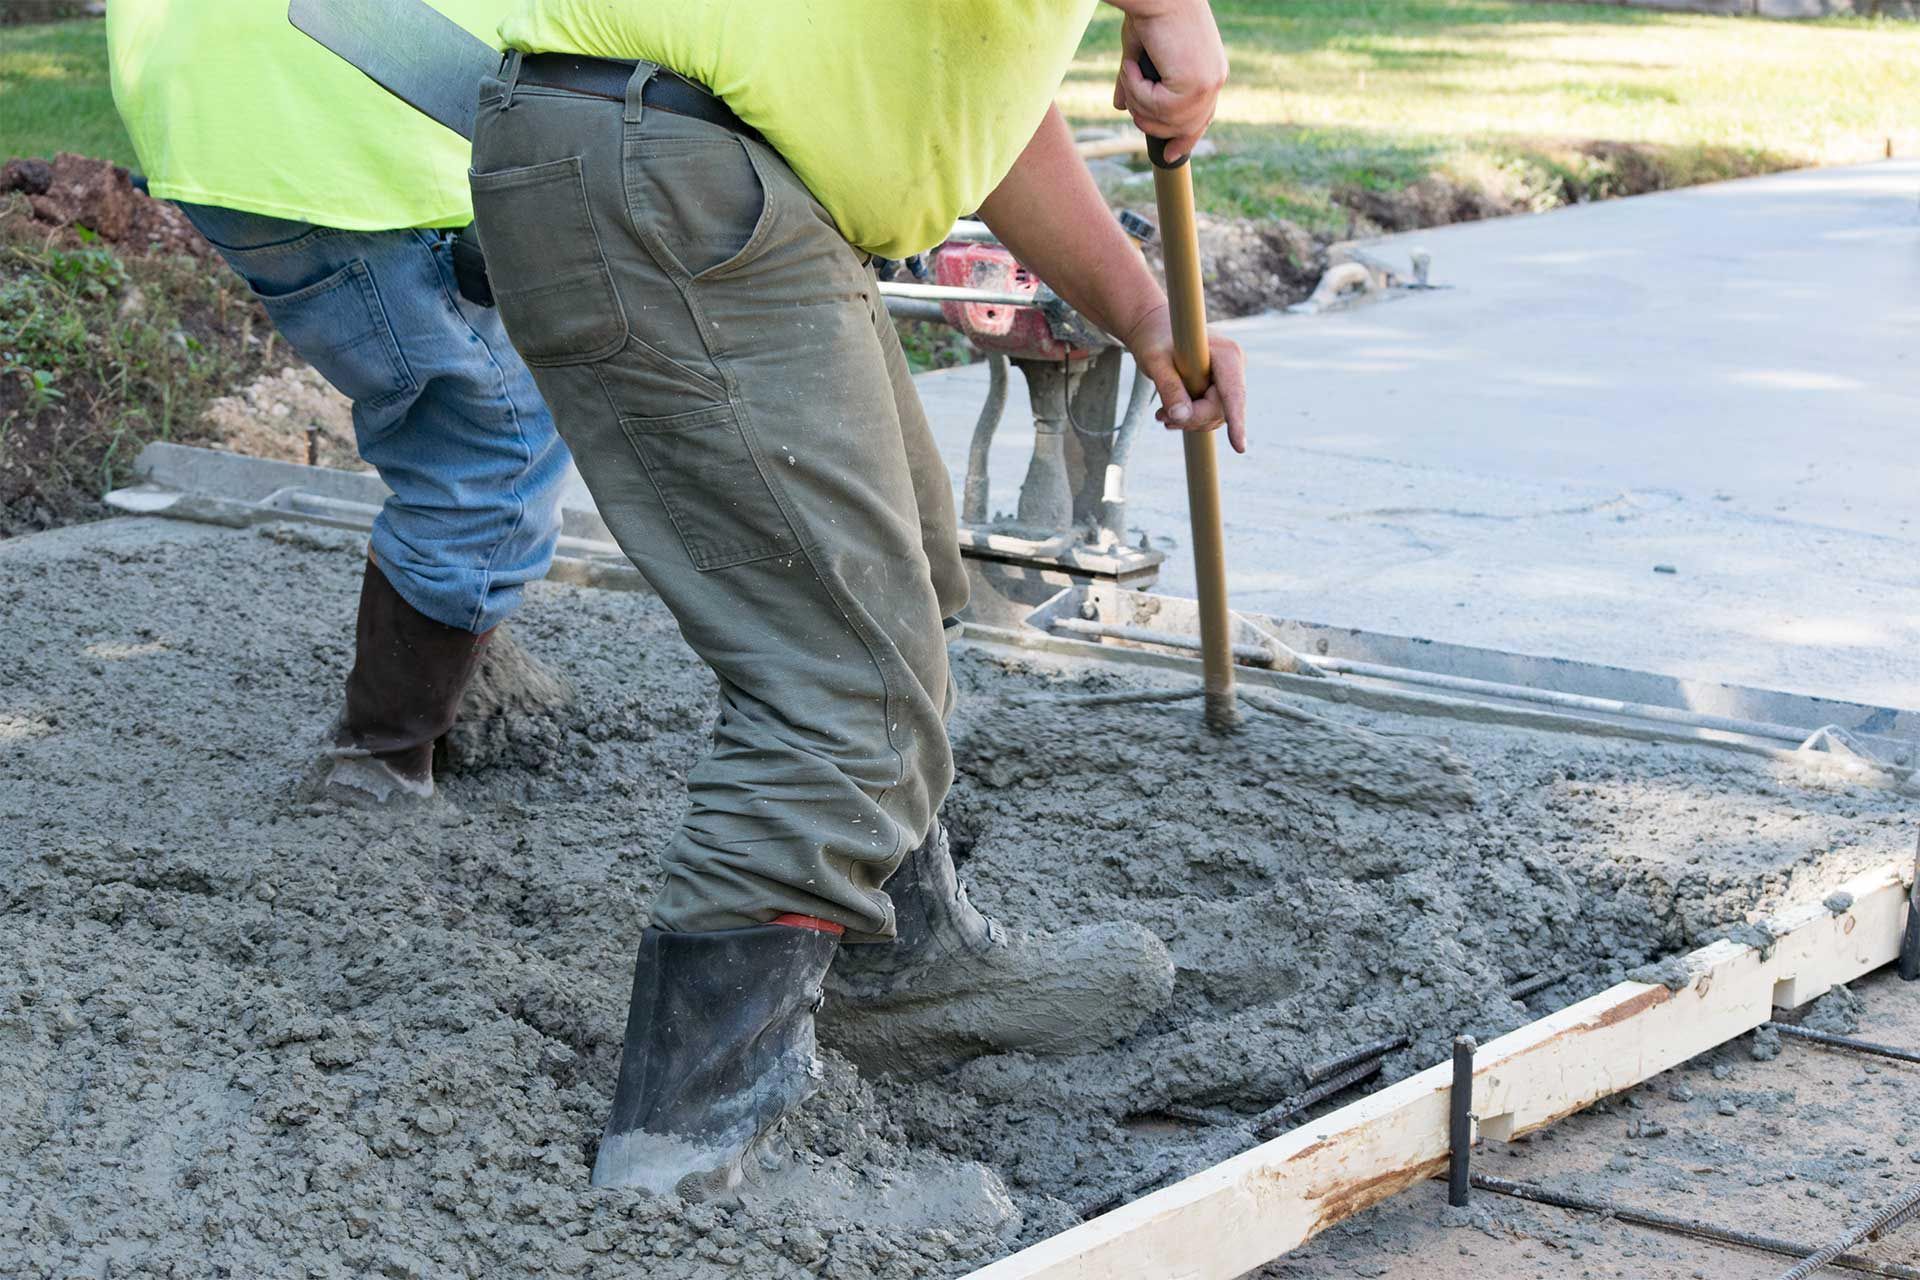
1151 342
1181 39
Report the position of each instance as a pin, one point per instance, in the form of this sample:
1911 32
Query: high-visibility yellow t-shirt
228 104
898 116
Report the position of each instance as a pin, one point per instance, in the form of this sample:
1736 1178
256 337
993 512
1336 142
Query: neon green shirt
228 104
898 116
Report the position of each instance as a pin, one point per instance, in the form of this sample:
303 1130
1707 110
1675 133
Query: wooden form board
1239 1214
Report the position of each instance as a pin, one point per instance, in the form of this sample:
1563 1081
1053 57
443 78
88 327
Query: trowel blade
407 47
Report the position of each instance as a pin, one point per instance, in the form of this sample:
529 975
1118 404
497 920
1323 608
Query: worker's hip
566 182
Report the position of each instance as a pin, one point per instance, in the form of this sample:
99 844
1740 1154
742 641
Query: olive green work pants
722 365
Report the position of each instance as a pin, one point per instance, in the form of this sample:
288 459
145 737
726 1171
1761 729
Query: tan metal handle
1187 311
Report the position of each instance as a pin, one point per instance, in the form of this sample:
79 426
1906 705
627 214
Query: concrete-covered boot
955 985
719 1051
409 674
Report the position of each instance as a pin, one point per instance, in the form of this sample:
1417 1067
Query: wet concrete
242 1028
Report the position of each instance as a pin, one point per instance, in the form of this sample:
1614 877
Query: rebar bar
1844 1042
1365 1053
1871 1225
1685 1226
1540 982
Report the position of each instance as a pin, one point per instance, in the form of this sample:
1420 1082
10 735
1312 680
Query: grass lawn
54 94
1379 93
1333 95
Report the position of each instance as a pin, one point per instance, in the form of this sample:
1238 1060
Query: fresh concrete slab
1675 432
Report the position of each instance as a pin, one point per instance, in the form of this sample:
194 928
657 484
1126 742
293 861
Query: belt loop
509 75
643 71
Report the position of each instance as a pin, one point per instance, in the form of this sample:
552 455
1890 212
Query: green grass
1379 93
1371 94
54 94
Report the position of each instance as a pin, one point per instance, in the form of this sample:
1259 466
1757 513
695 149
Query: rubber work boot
719 1051
954 985
409 673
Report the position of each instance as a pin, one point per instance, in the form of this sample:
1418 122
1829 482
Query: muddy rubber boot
955 985
409 674
719 1051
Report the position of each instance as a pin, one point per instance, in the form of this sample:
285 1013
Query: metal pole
1910 940
1187 307
1460 1123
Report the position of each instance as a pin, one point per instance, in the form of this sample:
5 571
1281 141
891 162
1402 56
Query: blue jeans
443 408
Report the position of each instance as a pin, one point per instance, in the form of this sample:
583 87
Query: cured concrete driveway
1722 380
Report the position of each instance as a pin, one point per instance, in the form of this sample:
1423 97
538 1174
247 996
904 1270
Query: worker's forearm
1049 211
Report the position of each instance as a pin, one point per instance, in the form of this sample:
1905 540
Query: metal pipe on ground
1573 701
1686 1226
1254 655
1251 654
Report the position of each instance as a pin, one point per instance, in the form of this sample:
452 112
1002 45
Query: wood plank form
1246 1211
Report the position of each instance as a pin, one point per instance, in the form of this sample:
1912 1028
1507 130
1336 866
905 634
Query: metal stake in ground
1460 1123
1187 307
1910 941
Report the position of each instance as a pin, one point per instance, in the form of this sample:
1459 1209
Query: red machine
1020 332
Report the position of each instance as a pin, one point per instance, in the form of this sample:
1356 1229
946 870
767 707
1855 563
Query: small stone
434 1120
1680 1093
1839 902
1722 1070
1727 1108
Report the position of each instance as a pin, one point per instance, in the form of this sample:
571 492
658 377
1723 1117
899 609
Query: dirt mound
76 191
242 1028
1251 265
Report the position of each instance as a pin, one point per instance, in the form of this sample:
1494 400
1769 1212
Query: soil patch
242 1028
123 326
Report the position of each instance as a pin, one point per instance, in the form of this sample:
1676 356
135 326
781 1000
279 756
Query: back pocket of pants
548 271
339 326
712 487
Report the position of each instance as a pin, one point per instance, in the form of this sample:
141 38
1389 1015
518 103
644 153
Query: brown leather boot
409 673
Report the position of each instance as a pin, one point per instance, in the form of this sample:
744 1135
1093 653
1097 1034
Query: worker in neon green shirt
679 199
331 199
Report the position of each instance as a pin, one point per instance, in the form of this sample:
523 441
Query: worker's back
898 117
229 105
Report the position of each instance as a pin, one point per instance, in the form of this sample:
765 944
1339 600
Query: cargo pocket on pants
712 487
544 260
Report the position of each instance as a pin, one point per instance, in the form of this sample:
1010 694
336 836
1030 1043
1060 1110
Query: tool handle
1193 359
1156 147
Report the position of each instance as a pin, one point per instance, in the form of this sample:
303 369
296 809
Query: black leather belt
607 78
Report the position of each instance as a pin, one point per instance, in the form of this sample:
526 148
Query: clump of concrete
240 1027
